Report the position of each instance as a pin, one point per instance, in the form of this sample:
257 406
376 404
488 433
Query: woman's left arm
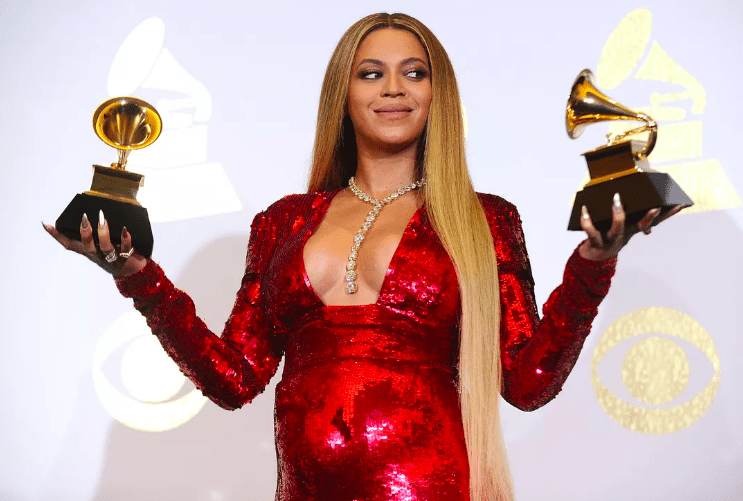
537 355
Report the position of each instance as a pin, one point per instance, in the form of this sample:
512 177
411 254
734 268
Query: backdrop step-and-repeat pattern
94 410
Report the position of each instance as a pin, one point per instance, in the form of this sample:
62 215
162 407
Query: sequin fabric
367 406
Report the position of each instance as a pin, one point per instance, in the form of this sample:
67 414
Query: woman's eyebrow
370 61
413 60
404 61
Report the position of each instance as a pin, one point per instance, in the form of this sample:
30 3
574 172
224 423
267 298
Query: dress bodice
423 305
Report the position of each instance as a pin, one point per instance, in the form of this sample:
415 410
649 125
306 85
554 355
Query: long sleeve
538 354
231 369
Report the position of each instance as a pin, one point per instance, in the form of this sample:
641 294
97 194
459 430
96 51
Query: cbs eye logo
148 375
655 370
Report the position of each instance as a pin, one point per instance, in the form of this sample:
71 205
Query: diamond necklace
377 204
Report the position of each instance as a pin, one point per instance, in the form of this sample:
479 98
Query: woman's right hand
121 266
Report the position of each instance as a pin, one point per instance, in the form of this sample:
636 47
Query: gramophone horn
587 105
126 123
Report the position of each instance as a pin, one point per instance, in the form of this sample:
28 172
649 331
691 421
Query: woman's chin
397 141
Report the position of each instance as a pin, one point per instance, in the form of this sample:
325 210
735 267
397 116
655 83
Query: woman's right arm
232 369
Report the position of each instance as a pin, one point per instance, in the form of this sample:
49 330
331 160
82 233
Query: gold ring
127 254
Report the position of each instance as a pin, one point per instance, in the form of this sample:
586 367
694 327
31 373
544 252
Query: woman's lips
393 113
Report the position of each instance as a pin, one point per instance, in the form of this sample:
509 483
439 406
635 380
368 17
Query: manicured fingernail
85 222
124 233
656 211
101 219
617 202
584 212
45 227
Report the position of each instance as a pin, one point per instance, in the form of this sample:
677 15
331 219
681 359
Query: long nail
124 233
85 222
584 212
617 202
46 228
101 219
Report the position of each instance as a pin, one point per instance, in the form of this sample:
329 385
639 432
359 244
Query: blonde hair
458 219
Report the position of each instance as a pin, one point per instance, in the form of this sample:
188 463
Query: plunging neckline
390 267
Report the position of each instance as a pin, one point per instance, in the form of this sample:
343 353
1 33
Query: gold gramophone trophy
126 123
621 166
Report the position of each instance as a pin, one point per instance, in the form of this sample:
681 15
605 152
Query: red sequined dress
367 406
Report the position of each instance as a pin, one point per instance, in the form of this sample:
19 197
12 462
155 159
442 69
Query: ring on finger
111 256
127 254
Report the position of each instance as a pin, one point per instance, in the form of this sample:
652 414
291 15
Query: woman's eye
417 73
370 74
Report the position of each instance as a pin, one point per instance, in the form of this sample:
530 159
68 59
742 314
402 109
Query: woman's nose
393 86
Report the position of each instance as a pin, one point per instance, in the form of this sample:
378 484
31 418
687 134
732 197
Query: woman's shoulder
496 207
290 208
299 203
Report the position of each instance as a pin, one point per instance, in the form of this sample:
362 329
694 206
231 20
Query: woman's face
389 94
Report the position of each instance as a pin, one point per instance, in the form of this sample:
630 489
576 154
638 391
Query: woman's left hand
598 247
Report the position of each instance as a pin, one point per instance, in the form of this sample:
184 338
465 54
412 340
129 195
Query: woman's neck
379 174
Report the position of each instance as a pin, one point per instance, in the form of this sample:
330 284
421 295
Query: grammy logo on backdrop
646 365
182 181
678 101
148 392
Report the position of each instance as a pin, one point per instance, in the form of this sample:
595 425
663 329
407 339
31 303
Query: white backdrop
90 410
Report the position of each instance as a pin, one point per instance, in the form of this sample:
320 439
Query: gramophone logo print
179 184
656 368
679 148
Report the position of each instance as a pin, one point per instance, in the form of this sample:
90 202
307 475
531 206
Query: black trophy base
118 214
639 193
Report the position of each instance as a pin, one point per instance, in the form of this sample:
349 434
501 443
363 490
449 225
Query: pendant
351 274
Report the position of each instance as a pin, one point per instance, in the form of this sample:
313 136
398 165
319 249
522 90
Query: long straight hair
459 221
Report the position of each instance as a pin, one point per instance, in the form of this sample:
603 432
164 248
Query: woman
393 366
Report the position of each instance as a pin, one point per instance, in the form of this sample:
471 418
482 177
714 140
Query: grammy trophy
621 166
126 123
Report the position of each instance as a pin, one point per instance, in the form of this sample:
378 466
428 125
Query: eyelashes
413 73
420 73
370 74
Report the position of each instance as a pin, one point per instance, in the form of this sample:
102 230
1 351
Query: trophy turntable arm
650 126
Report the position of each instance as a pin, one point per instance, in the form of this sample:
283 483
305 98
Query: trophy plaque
126 123
621 166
